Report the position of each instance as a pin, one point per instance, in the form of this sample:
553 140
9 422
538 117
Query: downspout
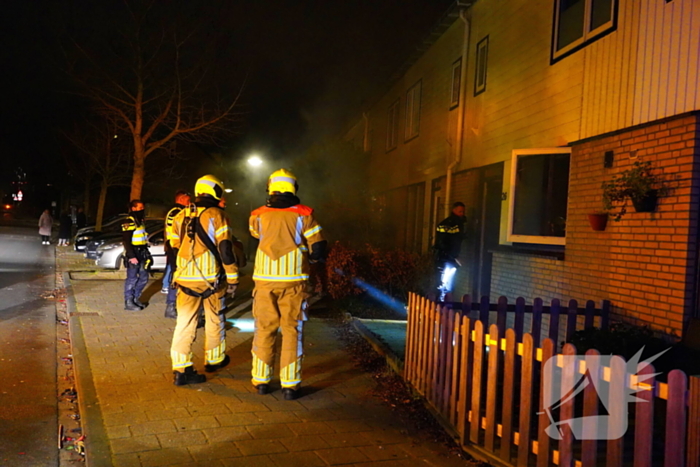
461 114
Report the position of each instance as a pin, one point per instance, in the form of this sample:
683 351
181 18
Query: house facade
521 109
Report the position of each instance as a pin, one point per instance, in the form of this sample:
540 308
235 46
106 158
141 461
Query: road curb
97 448
379 346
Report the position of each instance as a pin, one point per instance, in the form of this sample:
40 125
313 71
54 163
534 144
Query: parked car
109 255
88 233
90 249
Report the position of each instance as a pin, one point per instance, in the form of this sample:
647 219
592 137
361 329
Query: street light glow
254 161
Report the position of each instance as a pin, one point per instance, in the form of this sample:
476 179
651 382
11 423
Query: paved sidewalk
134 416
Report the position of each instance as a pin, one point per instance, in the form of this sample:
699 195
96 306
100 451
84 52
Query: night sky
308 65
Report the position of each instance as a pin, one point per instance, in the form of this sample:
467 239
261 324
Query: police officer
206 271
182 199
290 239
448 242
137 258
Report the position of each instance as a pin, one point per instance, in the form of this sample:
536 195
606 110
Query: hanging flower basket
647 203
598 221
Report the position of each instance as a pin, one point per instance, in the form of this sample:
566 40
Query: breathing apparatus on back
208 186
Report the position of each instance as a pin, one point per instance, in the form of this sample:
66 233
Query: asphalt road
28 399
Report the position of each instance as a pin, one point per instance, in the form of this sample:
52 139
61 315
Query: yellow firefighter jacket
285 236
196 264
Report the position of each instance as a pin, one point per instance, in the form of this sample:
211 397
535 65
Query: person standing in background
45 225
182 199
80 219
65 229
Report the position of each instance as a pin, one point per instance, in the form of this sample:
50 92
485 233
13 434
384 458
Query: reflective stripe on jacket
285 236
195 262
169 218
139 236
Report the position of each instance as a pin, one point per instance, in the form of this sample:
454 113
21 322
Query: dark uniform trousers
136 279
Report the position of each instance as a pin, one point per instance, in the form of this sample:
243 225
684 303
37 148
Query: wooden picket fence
489 389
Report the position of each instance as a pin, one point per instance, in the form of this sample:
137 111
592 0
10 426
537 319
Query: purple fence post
590 314
502 314
484 311
519 318
536 321
571 319
554 321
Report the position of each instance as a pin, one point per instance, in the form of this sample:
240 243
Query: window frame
587 37
414 110
482 50
392 126
536 239
456 85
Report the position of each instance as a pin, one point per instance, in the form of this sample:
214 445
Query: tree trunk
139 173
101 205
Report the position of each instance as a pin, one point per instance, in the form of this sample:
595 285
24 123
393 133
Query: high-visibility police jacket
133 235
169 218
286 235
449 236
196 264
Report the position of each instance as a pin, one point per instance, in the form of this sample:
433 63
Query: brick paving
147 421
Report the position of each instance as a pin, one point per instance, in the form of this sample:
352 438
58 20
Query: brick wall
645 264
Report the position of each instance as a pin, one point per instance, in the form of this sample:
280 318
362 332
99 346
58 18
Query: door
488 226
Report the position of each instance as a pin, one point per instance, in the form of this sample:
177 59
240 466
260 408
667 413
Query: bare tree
158 83
106 152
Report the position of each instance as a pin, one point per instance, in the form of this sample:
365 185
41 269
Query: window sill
552 251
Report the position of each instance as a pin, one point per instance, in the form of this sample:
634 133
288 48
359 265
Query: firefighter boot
262 389
189 376
217 366
290 394
129 305
170 311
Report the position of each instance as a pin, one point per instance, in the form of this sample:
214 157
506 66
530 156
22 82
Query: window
482 52
539 189
392 126
413 111
579 22
456 82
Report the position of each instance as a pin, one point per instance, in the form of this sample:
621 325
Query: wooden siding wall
527 102
646 70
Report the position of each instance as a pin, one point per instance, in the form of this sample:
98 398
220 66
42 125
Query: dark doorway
487 226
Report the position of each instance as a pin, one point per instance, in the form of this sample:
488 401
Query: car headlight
81 238
109 246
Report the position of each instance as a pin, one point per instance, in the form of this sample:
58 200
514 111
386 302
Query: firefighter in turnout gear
206 271
290 239
137 259
182 199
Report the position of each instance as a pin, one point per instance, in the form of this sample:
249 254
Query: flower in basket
638 184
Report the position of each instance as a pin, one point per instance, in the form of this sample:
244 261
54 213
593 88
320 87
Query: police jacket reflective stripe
134 236
169 218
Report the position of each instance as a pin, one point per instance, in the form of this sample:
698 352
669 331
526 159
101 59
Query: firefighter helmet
282 181
209 185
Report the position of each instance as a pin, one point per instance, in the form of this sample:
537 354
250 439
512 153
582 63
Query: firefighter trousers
278 306
186 327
